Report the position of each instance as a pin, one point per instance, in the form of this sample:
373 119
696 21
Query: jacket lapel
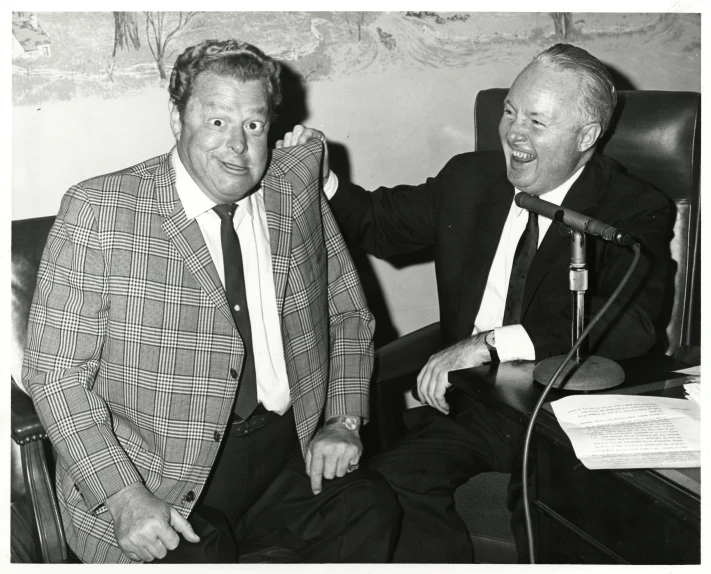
278 200
486 224
187 238
582 198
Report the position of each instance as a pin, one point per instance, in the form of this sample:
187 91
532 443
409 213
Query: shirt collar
555 196
194 201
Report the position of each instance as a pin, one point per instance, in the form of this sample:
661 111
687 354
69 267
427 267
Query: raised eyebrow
213 107
261 111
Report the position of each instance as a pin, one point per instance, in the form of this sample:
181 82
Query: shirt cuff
514 344
331 186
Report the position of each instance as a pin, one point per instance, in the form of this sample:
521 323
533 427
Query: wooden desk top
510 389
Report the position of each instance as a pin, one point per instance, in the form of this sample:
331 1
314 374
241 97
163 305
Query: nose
237 141
517 131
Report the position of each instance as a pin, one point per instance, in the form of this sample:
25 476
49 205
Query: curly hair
229 58
598 97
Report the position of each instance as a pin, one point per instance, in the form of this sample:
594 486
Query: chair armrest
28 432
25 424
407 354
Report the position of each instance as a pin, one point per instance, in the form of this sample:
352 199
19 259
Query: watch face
488 339
351 424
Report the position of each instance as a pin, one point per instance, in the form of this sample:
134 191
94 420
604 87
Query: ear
175 123
589 134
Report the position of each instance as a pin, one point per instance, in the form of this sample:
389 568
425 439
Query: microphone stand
585 372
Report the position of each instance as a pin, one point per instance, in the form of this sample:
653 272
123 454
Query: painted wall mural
61 56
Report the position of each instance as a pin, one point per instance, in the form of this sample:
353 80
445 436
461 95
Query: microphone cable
529 430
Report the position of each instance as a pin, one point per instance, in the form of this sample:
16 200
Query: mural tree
358 19
563 22
125 31
160 34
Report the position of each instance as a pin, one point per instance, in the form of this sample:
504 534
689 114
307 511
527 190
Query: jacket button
217 436
189 497
233 373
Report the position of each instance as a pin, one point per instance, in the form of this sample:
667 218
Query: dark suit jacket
462 212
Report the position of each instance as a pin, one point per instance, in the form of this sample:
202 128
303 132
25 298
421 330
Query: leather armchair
656 136
36 533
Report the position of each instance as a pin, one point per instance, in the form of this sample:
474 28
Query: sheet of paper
693 392
691 371
627 431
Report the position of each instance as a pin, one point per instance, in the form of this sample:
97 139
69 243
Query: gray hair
598 96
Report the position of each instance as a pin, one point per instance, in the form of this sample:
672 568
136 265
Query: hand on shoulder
299 136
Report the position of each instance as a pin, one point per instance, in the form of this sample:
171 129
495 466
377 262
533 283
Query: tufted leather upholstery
657 137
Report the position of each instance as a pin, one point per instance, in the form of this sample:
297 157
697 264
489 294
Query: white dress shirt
250 223
512 341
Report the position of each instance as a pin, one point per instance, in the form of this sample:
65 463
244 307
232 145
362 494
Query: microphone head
522 199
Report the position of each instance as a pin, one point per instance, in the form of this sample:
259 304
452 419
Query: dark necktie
525 252
237 298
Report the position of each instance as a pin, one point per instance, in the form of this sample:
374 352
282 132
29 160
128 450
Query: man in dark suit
494 302
199 348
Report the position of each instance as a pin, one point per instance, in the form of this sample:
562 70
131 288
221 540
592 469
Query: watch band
492 347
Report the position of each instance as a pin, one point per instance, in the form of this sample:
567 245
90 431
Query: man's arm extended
387 221
335 448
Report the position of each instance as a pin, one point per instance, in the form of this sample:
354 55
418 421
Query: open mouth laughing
519 157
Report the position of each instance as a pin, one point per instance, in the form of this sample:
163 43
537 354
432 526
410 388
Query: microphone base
593 374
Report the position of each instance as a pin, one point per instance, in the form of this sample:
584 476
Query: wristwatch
346 421
490 341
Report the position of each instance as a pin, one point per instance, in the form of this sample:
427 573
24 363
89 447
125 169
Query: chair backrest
29 237
656 135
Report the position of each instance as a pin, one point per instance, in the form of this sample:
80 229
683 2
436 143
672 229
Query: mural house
28 38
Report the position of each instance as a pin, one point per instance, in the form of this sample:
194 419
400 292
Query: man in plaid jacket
135 352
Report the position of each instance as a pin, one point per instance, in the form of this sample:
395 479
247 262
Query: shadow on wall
293 111
293 108
622 82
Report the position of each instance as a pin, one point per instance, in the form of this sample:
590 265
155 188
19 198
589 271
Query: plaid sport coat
132 349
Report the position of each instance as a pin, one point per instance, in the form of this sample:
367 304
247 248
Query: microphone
573 219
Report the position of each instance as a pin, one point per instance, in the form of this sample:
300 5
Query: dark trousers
258 507
436 456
